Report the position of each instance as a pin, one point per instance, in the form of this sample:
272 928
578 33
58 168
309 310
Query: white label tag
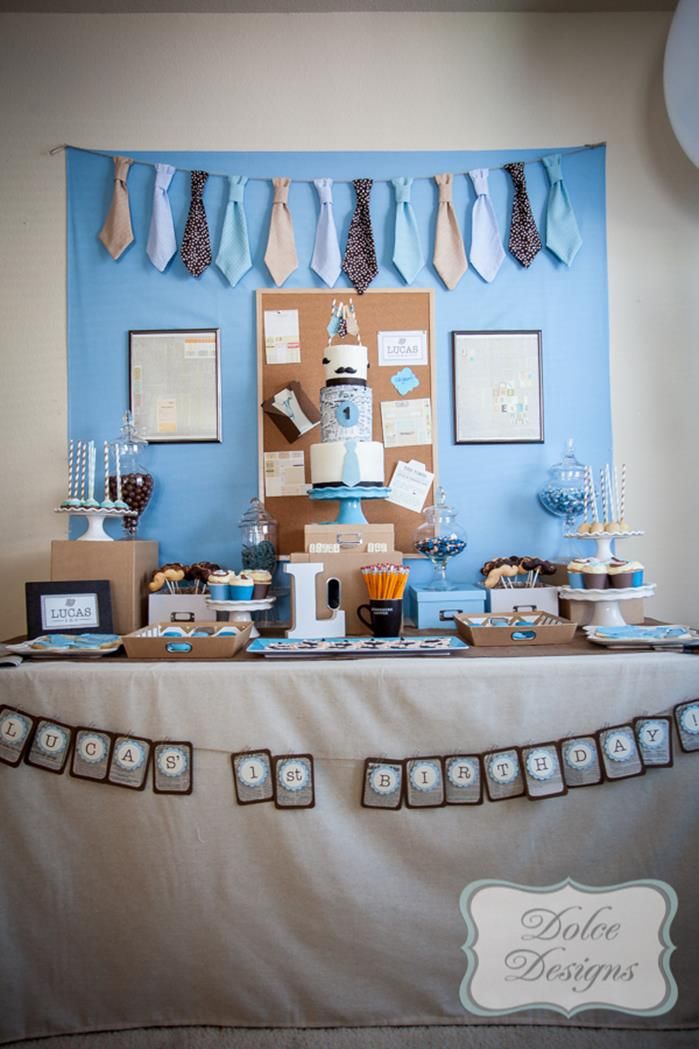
568 947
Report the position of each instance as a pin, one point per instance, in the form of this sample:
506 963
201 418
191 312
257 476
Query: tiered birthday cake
346 456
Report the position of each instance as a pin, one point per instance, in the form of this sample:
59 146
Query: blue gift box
428 609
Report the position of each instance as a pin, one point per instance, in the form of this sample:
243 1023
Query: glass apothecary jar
440 538
258 538
563 495
131 485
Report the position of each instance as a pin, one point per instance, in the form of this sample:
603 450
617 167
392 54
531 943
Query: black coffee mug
386 616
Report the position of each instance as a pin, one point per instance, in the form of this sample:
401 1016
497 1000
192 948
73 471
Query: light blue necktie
562 233
233 257
162 244
407 250
351 475
487 253
326 261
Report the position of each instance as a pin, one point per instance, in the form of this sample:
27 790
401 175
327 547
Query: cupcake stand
605 602
240 611
95 519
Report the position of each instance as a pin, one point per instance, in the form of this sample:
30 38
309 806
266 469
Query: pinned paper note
406 422
285 474
405 380
410 484
402 347
282 340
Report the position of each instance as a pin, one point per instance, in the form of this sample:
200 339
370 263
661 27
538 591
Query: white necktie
326 261
162 244
487 252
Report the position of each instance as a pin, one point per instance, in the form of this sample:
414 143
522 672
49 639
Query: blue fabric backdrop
202 489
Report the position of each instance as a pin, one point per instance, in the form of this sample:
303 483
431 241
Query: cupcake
218 585
576 568
620 574
637 570
595 576
240 588
262 580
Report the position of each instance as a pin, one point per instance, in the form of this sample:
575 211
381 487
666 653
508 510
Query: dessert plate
303 648
70 645
666 636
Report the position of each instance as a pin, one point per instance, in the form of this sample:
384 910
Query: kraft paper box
128 565
345 567
357 538
151 643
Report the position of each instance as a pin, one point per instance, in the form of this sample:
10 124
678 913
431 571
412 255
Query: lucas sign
568 947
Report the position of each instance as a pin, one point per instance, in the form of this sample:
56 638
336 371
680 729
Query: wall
411 81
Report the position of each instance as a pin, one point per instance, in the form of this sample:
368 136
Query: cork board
377 311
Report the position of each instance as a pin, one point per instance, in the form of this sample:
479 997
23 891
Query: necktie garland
359 262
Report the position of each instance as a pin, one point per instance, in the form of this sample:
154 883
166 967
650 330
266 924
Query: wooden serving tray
520 628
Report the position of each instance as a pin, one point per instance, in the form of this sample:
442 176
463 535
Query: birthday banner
539 770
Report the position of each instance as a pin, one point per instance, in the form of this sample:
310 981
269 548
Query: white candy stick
593 497
70 469
82 452
622 494
117 457
603 493
106 471
610 490
586 497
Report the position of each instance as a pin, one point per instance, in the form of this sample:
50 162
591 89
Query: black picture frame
154 394
48 615
470 430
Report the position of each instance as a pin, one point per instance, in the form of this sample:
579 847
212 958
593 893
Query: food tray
630 637
521 628
74 650
175 641
323 648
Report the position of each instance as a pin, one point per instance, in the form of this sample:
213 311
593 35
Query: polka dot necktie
195 250
117 234
359 262
524 242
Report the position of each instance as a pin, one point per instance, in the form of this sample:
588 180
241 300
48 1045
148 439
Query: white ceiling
325 7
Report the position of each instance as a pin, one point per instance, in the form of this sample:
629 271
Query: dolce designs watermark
568 947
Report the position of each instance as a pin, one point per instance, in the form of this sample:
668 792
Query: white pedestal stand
95 533
241 611
606 611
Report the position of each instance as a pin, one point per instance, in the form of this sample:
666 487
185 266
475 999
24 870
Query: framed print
175 384
76 606
498 390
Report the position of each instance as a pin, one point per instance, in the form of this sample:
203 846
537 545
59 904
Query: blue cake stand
350 500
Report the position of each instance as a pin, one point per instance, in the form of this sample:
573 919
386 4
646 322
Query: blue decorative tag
50 745
424 784
463 782
172 768
293 781
581 761
15 730
405 380
252 775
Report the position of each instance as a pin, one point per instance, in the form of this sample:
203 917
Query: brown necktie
449 253
280 256
117 234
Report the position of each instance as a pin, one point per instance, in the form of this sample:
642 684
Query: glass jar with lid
258 538
440 538
131 485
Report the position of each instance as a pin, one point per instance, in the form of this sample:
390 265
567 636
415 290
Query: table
133 909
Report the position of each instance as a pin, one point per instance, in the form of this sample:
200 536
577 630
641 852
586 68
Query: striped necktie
487 252
280 255
449 258
117 234
162 244
326 261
